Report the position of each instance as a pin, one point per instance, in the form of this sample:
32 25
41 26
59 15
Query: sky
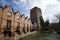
49 8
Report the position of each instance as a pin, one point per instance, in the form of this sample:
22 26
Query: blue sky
49 7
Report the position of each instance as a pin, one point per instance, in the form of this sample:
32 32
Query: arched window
24 29
30 29
8 25
9 13
18 28
27 28
7 32
18 17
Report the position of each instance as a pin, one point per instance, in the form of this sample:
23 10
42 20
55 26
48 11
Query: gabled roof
29 19
1 7
22 15
17 12
26 17
10 8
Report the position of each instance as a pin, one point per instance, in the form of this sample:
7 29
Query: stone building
26 24
29 25
1 11
54 27
17 22
35 14
7 21
11 22
23 23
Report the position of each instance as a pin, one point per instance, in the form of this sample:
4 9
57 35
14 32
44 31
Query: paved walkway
44 36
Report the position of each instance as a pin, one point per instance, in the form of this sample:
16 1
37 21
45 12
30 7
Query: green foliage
47 23
41 21
44 26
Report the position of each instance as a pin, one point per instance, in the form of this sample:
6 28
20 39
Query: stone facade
29 26
13 22
1 9
35 14
17 22
7 18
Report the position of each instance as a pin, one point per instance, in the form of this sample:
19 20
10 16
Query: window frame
9 13
18 17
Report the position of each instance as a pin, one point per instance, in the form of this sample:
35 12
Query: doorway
7 31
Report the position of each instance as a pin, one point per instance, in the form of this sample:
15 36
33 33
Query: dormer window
9 13
18 17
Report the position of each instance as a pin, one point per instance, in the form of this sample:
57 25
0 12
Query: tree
58 16
42 23
47 23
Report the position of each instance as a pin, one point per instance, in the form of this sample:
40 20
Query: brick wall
14 18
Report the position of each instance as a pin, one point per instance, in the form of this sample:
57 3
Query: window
8 24
18 17
9 14
24 29
18 25
18 28
27 29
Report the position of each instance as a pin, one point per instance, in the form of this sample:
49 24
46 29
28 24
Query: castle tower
35 14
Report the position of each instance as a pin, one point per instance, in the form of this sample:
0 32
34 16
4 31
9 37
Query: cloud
54 20
41 4
20 3
48 7
3 2
53 10
32 3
